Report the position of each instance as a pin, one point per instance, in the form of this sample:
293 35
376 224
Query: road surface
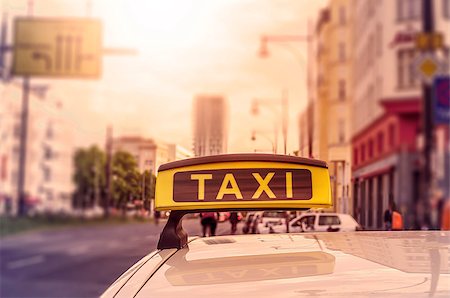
77 262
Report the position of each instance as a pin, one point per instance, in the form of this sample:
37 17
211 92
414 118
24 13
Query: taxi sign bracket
173 235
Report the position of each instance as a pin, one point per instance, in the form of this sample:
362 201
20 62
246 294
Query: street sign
65 48
430 41
441 95
427 66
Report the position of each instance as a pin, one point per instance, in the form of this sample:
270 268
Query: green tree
89 177
126 184
149 186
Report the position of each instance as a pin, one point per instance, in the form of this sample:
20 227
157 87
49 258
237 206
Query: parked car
320 222
264 222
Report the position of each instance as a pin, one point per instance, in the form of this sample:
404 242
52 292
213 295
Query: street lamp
279 115
253 138
264 53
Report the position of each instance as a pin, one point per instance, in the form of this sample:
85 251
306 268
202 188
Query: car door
303 224
328 222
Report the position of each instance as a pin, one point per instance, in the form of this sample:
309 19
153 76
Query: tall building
210 125
329 113
148 153
387 105
50 146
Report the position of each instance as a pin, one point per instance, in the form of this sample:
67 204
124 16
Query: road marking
25 262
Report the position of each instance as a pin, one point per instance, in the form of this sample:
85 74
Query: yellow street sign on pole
50 47
427 41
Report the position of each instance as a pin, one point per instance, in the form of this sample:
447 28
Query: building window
406 74
446 8
379 40
355 156
341 52
48 154
47 174
342 16
341 135
341 91
50 132
380 142
409 9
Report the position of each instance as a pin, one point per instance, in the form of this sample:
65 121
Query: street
77 262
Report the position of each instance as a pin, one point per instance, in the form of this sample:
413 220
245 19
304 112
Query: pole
427 119
108 167
3 32
310 109
23 147
285 118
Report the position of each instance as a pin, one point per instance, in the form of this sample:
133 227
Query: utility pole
427 118
21 179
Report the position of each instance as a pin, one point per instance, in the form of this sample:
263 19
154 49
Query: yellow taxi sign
243 181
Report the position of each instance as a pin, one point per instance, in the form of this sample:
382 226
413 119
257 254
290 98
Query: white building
210 125
48 172
148 153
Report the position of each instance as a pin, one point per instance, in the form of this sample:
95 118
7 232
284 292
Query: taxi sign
243 181
57 47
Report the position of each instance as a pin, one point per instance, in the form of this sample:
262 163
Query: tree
89 177
149 188
126 184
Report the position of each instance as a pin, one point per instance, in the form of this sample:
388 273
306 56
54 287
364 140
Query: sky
185 48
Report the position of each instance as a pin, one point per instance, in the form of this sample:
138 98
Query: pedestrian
388 217
397 218
157 216
445 217
234 219
208 220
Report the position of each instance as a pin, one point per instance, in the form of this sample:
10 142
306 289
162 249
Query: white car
320 222
363 264
264 222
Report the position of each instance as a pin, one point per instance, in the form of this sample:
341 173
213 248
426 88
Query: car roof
400 264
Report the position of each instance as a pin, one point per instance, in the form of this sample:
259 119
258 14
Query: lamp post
254 133
283 115
264 53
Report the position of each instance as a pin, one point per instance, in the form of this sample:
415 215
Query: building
148 153
50 145
210 125
387 105
329 111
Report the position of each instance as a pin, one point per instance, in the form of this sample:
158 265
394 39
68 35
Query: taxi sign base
173 235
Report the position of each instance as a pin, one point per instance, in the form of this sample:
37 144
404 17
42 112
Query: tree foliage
127 184
89 176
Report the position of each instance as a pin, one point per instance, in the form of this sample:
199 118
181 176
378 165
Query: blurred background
96 94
